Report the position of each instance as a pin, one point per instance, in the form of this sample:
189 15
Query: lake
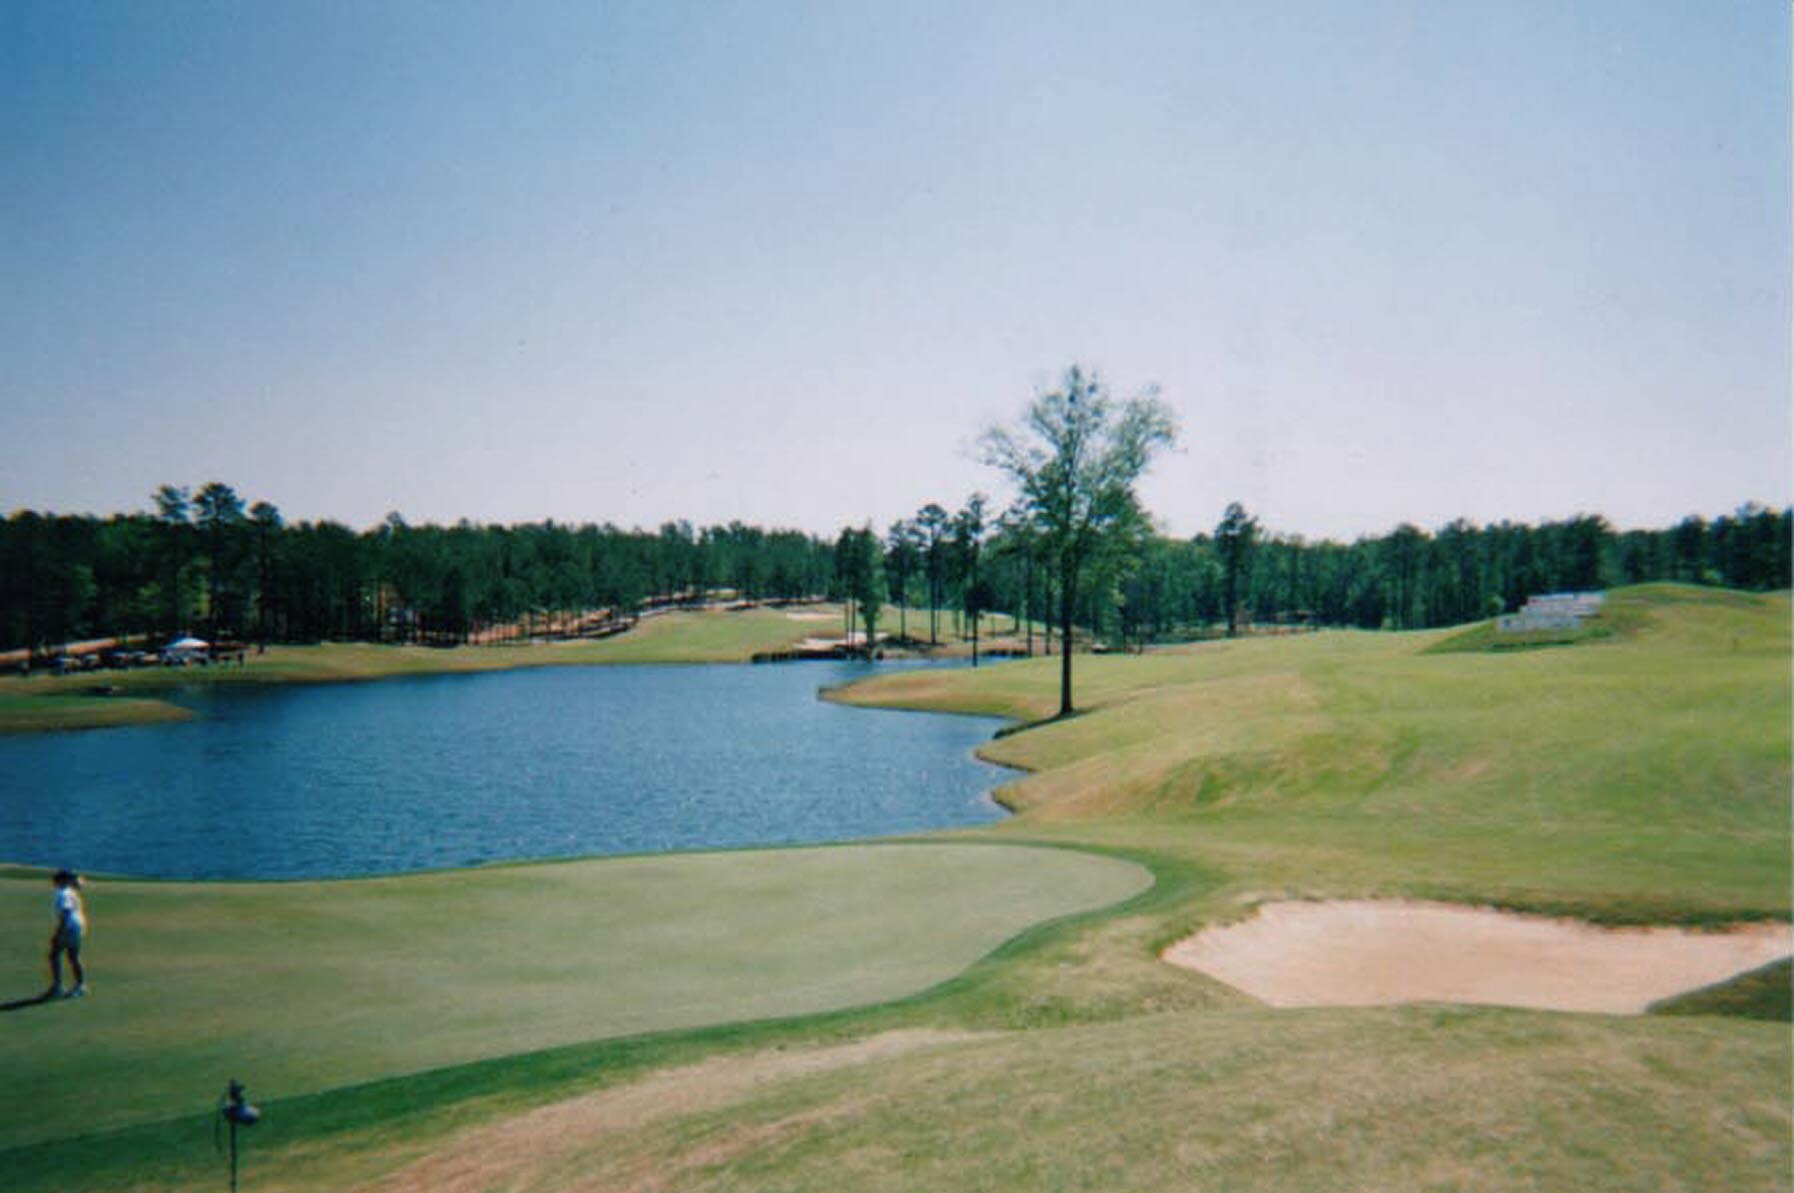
456 770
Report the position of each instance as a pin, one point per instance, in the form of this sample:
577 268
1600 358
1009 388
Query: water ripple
442 771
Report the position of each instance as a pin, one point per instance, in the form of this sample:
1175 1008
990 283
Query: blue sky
783 263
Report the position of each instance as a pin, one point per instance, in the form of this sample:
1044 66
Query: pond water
445 771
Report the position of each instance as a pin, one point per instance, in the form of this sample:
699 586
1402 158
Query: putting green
297 987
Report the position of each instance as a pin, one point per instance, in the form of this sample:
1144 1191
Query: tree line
205 561
1414 579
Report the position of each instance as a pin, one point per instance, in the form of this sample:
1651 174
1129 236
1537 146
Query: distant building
1553 611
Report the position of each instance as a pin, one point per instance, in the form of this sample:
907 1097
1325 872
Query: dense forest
204 562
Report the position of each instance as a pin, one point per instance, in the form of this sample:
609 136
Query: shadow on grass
1042 723
36 1000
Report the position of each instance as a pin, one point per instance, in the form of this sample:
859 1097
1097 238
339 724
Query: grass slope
1766 993
1638 777
1407 1099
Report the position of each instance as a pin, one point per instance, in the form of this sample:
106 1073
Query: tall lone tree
1075 458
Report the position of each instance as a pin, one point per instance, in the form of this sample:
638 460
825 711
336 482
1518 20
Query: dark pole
237 1110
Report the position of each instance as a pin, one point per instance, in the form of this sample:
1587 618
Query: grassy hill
1639 775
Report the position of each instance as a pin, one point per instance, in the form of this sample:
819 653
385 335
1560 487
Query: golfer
71 926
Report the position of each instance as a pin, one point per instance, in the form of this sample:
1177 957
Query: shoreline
981 807
16 871
111 699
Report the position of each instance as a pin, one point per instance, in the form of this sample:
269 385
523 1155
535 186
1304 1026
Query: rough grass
1422 1098
1766 993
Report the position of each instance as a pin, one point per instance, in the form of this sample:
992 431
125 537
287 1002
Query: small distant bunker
1553 611
1373 953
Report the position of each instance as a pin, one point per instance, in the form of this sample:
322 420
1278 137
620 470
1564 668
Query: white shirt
68 908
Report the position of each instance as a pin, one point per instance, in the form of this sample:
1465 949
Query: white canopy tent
183 649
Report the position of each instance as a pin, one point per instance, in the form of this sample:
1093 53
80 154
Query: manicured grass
307 986
1639 777
1644 776
715 637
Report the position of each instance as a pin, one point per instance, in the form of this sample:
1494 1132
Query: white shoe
77 992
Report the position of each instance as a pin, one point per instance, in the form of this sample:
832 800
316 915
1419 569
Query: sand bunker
1373 953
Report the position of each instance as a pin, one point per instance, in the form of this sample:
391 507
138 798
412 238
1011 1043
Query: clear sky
783 262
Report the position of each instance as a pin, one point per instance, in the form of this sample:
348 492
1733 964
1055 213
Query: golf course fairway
300 987
1640 776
